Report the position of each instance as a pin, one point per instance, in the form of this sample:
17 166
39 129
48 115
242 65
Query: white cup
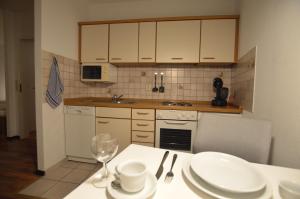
132 175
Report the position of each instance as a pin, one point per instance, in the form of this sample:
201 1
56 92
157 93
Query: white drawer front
113 112
139 136
143 114
142 125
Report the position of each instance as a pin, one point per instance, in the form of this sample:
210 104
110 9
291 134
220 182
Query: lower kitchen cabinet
143 126
118 128
144 144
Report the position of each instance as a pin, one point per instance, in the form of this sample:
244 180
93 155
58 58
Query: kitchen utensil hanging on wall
161 88
155 89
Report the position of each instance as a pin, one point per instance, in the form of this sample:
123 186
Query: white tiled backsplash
181 81
242 81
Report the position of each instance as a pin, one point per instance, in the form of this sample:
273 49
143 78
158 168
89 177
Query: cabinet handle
142 136
103 122
146 58
100 59
138 124
177 58
176 123
141 113
115 58
209 58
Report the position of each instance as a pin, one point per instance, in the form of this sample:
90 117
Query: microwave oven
98 72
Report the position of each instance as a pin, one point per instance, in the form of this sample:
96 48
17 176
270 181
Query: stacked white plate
225 176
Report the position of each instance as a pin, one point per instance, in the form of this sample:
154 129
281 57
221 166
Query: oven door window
177 139
91 72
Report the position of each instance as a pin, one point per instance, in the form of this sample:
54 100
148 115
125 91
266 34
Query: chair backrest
243 137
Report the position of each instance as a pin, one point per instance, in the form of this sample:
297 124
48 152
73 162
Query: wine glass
103 148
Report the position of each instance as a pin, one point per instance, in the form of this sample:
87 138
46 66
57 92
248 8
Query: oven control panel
176 115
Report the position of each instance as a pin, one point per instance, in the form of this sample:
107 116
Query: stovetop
170 103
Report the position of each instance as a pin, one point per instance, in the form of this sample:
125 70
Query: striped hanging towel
55 86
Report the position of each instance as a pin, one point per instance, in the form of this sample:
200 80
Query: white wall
59 26
56 32
53 135
2 58
38 85
274 26
130 9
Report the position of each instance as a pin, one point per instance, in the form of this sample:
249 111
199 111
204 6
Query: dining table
179 187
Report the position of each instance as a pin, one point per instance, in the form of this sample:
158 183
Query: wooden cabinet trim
79 45
160 19
237 28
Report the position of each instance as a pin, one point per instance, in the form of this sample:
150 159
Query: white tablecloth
178 188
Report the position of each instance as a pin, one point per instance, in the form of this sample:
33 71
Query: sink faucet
116 98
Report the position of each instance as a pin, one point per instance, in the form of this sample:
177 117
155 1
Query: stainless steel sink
123 102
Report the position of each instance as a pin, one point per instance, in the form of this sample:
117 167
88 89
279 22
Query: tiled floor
61 179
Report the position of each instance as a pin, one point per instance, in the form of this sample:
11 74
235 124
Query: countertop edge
201 106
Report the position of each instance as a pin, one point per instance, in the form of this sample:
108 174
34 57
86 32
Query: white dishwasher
79 131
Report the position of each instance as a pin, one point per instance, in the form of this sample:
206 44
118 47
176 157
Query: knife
161 166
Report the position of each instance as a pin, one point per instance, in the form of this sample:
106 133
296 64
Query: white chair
246 138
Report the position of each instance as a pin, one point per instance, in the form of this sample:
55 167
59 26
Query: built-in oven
175 129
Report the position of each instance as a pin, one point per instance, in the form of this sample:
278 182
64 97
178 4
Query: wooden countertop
203 106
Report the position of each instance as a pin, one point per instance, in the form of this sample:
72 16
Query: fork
170 174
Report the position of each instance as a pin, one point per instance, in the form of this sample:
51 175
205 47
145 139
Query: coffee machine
221 93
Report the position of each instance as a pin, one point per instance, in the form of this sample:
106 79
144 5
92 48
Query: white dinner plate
200 184
146 192
227 172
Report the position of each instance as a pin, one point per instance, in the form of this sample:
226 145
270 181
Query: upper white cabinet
123 42
178 41
147 41
218 40
94 43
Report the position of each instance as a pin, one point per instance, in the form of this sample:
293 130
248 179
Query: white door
27 87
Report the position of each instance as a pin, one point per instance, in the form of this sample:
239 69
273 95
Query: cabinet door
123 43
147 39
79 131
118 128
178 41
218 40
94 43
